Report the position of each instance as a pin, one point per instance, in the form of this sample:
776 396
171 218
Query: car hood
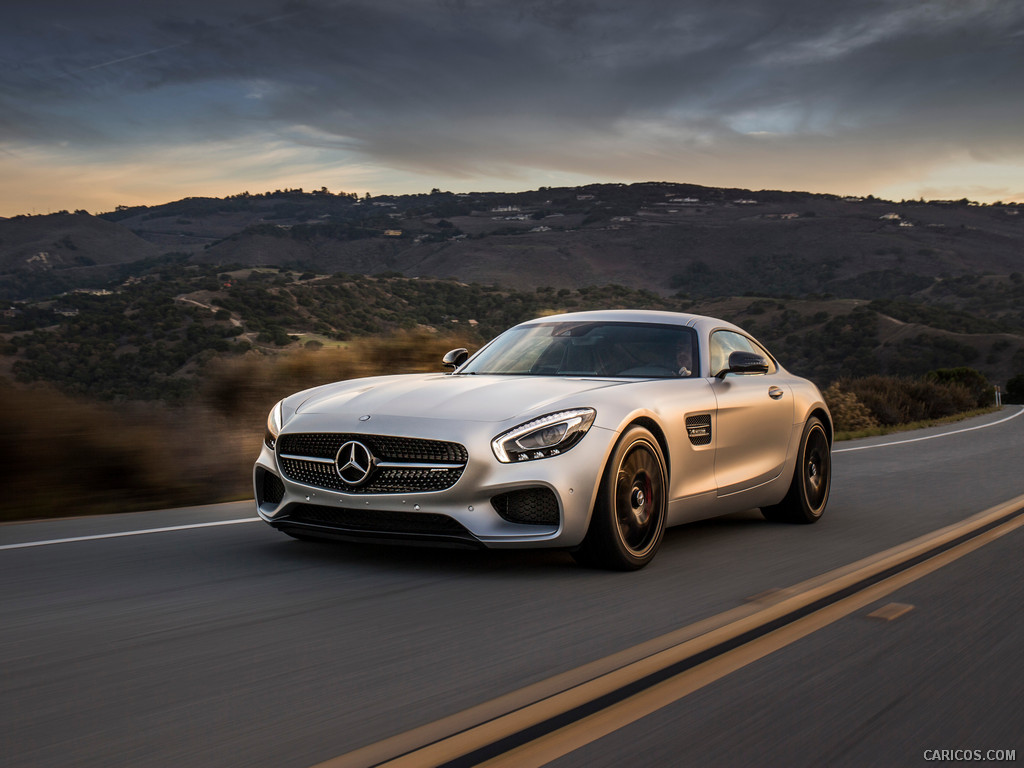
443 396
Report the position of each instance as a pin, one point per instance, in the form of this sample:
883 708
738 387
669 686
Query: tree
1015 389
968 378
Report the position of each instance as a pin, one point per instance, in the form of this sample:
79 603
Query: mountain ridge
656 236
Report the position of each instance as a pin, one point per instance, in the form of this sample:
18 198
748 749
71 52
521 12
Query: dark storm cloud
475 87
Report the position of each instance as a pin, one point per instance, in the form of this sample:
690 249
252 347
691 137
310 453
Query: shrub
1015 389
970 379
897 400
848 413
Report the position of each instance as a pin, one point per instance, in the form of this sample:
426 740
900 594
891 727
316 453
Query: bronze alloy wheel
816 461
808 492
639 498
628 522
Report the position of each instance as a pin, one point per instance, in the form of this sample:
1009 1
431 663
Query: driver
684 358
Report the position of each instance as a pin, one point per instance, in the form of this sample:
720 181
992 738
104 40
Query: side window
724 343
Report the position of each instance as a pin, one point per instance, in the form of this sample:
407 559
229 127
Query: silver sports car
590 431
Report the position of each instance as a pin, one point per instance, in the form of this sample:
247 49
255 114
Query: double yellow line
542 722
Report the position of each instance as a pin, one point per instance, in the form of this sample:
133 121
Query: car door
754 420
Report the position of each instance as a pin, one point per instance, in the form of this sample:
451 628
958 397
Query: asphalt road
235 645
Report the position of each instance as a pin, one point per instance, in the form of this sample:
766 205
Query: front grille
270 487
374 521
325 445
443 462
529 506
699 429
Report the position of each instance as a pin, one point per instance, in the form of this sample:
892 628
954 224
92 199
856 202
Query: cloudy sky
121 102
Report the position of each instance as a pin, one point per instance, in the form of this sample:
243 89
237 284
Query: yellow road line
483 725
551 746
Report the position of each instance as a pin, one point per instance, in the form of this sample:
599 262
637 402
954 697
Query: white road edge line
929 437
119 534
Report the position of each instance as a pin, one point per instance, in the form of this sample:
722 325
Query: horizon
324 190
112 104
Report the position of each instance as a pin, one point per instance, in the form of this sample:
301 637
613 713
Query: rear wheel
628 522
808 492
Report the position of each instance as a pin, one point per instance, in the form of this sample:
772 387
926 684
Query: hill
655 236
813 244
40 255
153 337
136 302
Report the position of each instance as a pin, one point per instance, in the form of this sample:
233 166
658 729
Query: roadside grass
854 434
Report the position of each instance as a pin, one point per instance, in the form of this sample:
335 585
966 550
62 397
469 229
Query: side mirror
744 362
455 358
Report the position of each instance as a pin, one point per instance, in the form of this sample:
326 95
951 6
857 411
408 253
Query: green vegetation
153 336
889 401
878 431
135 343
1015 389
940 317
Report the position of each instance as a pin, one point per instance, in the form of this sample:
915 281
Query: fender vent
699 429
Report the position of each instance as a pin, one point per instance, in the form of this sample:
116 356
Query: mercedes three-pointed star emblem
354 462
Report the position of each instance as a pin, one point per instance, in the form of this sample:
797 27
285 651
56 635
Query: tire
808 492
628 522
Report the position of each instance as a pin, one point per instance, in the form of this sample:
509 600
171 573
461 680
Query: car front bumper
465 513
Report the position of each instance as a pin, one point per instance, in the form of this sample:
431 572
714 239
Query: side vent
699 429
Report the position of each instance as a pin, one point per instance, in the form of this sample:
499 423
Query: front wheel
628 522
808 492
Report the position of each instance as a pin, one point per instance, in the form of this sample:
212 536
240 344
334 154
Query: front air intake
269 488
529 506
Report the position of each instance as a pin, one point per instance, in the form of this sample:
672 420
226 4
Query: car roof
700 322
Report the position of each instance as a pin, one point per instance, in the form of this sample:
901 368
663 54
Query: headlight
273 427
546 436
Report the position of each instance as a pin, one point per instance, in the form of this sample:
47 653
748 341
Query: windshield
633 350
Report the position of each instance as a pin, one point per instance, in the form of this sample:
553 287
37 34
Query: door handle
775 393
